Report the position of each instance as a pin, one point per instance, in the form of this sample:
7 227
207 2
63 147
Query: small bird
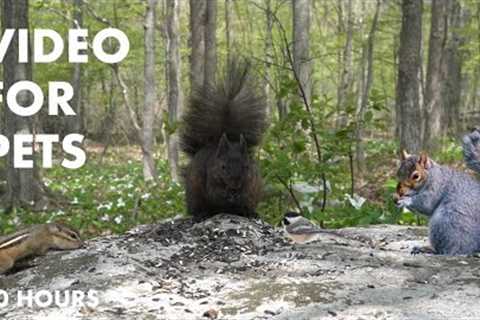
301 230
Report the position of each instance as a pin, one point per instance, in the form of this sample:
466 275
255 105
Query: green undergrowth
376 186
112 197
102 199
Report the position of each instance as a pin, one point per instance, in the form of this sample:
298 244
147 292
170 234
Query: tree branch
307 105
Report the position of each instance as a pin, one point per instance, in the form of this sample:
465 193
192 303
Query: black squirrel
221 127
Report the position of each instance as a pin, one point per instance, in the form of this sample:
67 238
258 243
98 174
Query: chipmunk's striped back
14 239
35 241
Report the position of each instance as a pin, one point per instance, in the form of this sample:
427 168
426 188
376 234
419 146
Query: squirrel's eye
415 176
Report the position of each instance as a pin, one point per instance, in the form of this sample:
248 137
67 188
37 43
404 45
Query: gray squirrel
449 198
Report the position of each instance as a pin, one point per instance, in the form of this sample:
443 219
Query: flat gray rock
229 267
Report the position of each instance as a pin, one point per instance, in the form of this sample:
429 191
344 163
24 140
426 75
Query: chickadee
300 229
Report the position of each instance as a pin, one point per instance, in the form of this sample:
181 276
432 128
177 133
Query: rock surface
232 268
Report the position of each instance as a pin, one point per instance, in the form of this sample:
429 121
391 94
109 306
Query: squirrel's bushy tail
233 107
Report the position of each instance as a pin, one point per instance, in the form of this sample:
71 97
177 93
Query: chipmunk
36 241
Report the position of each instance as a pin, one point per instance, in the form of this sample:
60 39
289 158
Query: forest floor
233 268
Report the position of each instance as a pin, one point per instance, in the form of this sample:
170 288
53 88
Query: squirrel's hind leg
451 236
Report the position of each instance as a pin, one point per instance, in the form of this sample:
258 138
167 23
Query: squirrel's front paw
422 250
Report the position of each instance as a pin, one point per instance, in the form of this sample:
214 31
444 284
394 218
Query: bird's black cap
289 214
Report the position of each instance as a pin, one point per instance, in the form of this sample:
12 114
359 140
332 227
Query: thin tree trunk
470 103
433 108
452 89
248 27
75 123
477 69
476 74
132 112
210 44
150 92
268 54
24 186
408 86
301 45
368 79
109 120
174 83
229 30
397 114
197 42
346 65
307 104
132 115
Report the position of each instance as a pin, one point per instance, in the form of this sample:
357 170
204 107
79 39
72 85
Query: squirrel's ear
404 155
424 161
243 144
223 145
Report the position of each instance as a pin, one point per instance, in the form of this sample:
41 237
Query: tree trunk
408 86
268 54
75 123
110 115
24 187
210 44
174 83
229 30
197 42
365 92
476 80
454 58
345 84
301 45
150 92
433 108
